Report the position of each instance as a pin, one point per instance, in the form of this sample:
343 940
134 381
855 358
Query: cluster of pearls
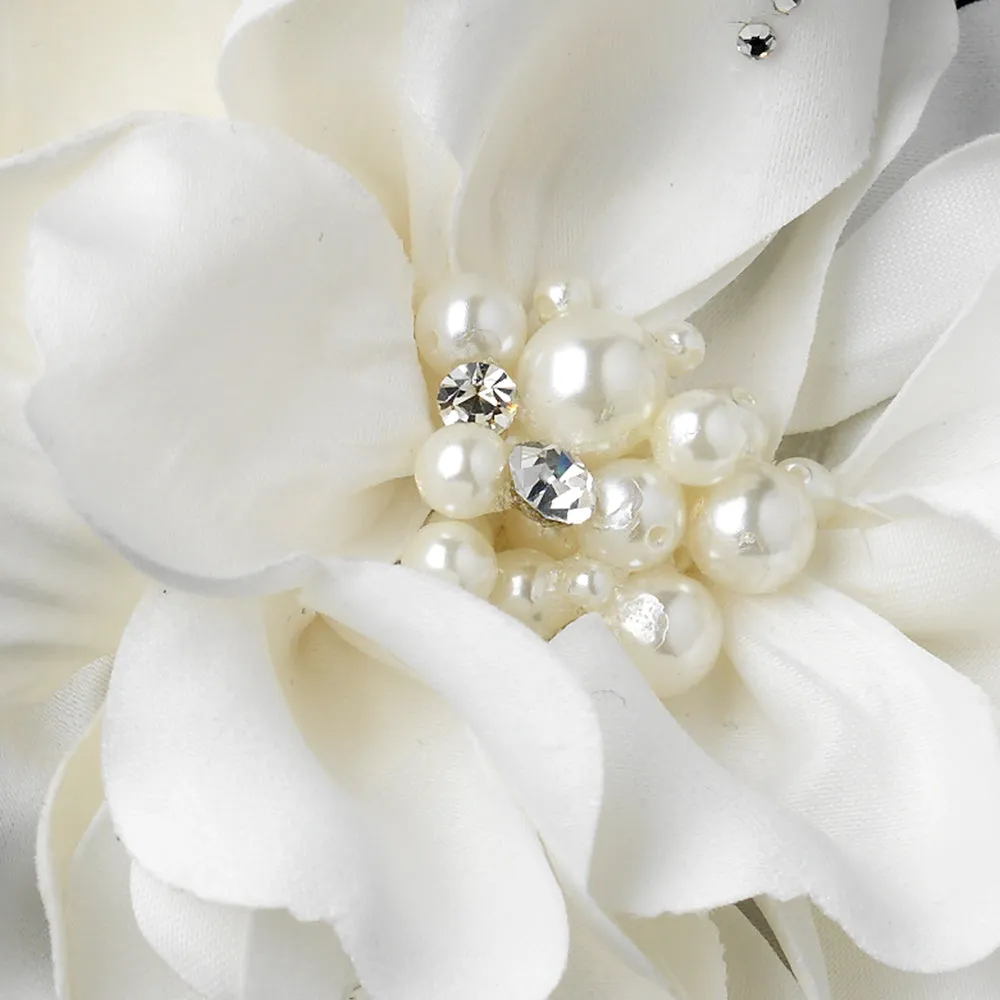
638 503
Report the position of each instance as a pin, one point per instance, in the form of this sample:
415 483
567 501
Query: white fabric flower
227 388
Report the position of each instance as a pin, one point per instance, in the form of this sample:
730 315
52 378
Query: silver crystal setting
756 41
551 483
478 393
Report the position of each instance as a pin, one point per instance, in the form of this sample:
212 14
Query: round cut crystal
478 393
756 41
786 6
552 483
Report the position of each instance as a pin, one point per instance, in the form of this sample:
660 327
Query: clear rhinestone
756 41
478 393
552 483
786 6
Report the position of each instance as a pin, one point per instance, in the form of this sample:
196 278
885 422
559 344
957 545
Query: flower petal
855 974
929 576
33 740
215 790
891 755
64 594
232 953
204 943
760 329
69 67
526 709
186 792
677 832
327 74
935 446
900 281
293 961
232 314
687 951
597 969
755 973
467 903
601 138
792 924
964 106
107 956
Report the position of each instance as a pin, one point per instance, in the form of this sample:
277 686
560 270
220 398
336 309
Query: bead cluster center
566 478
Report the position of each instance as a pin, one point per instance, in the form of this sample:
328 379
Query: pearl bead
523 532
670 625
555 295
755 531
460 471
758 432
640 516
486 526
701 435
469 318
589 584
456 552
529 588
587 384
681 346
820 486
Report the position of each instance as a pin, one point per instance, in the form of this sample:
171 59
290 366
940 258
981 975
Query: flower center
567 479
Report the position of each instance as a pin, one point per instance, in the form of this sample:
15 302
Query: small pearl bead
456 552
640 516
589 583
755 531
670 625
555 295
758 432
587 383
460 471
681 346
486 526
820 486
701 435
529 588
522 532
469 318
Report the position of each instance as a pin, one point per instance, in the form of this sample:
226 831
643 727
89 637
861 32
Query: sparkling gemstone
756 41
478 393
786 6
552 483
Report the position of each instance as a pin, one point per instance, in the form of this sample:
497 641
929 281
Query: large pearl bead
819 484
670 625
555 295
529 587
753 532
460 471
587 384
701 435
640 515
469 318
456 552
